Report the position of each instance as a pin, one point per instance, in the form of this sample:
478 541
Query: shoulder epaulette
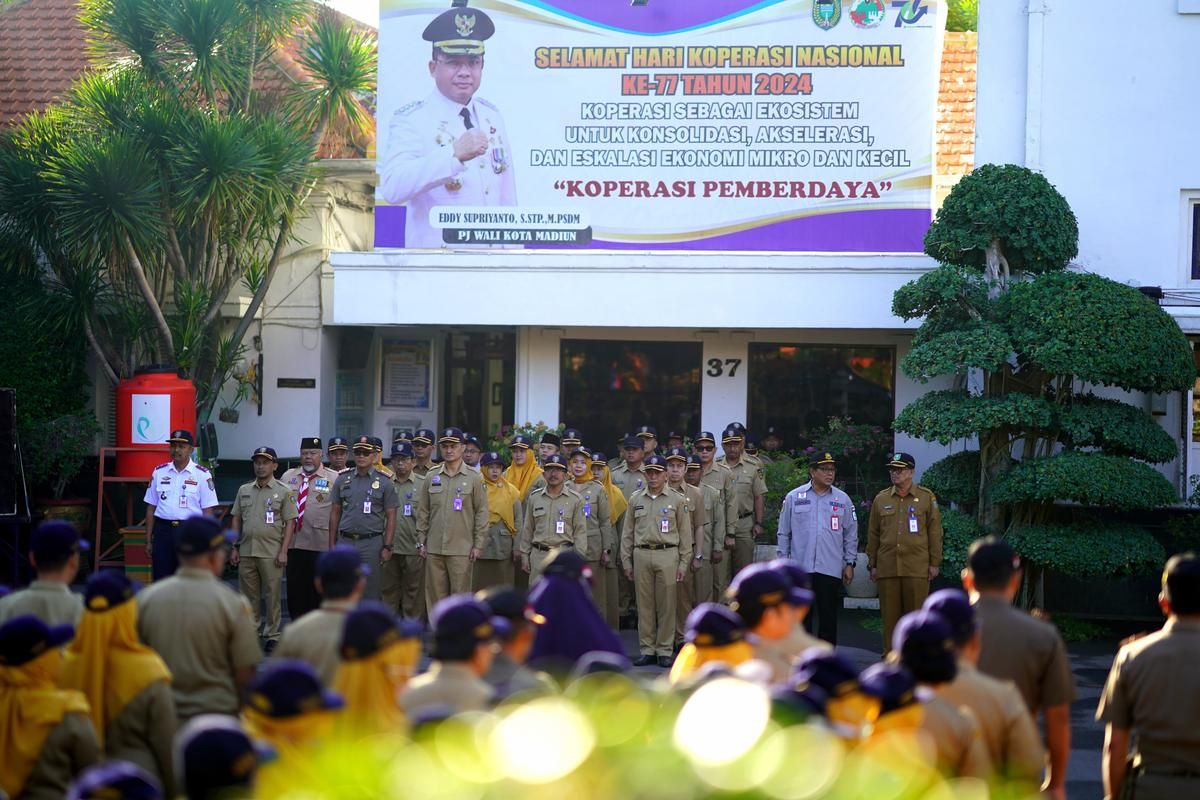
485 104
160 466
200 467
408 108
344 470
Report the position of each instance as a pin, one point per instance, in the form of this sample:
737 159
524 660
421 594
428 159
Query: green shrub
1092 479
781 477
1086 550
959 531
954 479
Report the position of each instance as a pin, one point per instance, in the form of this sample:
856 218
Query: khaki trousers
608 576
537 564
654 579
685 601
489 572
258 576
702 582
599 596
444 576
721 575
743 546
402 585
897 597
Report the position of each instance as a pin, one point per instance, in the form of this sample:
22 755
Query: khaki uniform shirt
53 603
1008 731
748 483
695 507
1152 690
314 532
1027 651
69 749
354 492
955 733
445 527
405 541
316 638
800 640
659 520
892 547
422 469
553 521
597 516
144 731
714 520
204 632
264 512
628 480
447 684
776 655
720 477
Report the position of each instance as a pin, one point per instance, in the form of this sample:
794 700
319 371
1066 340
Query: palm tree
169 176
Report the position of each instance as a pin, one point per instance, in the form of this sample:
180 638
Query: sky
363 10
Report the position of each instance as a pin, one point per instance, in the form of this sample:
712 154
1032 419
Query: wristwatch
699 556
850 564
388 547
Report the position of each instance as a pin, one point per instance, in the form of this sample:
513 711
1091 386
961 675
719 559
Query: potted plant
54 452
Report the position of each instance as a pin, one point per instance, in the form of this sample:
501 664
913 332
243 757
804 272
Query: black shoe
665 662
646 661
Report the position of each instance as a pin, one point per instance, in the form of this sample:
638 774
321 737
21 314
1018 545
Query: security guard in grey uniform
553 519
364 512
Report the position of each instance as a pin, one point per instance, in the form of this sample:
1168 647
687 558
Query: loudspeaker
10 462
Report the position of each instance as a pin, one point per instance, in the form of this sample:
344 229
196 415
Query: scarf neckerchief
502 496
371 687
523 476
616 499
109 664
692 658
31 705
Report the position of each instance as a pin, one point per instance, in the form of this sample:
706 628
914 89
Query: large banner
777 125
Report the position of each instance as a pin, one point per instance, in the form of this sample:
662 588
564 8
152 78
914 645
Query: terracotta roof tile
955 132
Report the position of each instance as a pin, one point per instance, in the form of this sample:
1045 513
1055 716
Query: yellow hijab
296 741
371 687
501 497
31 704
616 499
692 658
108 664
523 476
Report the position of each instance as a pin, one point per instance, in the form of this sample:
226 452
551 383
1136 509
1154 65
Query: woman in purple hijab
568 622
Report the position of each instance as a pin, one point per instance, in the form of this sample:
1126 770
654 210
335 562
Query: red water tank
151 404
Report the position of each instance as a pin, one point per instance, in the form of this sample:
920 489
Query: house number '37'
727 367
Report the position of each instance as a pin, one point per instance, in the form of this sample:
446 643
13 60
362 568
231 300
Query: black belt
747 514
655 546
357 536
1167 772
548 547
174 523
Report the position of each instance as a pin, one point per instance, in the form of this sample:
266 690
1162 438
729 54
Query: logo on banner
910 11
827 13
866 13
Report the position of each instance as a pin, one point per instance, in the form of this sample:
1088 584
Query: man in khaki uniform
1016 647
264 516
1152 690
720 478
629 477
599 544
553 519
54 552
422 443
1008 730
686 600
656 546
201 629
750 491
365 502
904 543
464 633
312 484
402 582
339 453
452 521
316 637
714 533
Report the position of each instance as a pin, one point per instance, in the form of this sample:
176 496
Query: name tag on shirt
560 527
366 506
912 525
587 510
665 526
835 523
408 509
458 504
182 500
270 516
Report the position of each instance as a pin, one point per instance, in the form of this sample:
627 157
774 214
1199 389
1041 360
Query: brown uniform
601 536
704 575
205 635
748 484
495 567
685 600
452 518
1152 690
402 578
316 637
51 602
1027 651
551 522
144 731
263 512
447 684
720 478
1008 731
312 536
69 749
955 733
656 544
628 481
904 539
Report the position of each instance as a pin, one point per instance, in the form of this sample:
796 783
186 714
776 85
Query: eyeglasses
474 62
706 448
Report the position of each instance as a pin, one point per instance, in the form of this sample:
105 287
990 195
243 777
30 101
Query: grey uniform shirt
354 492
818 530
405 541
52 603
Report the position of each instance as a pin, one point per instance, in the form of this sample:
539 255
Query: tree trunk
160 322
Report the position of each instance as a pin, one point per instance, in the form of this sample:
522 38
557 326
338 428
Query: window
609 388
1195 241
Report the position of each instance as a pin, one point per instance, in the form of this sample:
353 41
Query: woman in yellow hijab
712 633
126 684
46 736
616 509
524 471
379 655
494 567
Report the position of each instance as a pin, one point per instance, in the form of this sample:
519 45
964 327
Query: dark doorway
479 381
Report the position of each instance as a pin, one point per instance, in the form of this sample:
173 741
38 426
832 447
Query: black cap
572 436
460 31
925 643
737 426
677 454
24 638
902 461
713 625
550 438
704 436
451 436
733 435
364 442
265 452
337 443
504 601
310 443
460 617
694 462
491 457
955 607
555 460
654 463
423 436
182 436
470 438
377 444
402 450
289 688
115 779
403 435
647 432
598 457
892 684
582 452
54 541
370 628
107 590
821 459
632 442
200 534
520 442
675 435
216 756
